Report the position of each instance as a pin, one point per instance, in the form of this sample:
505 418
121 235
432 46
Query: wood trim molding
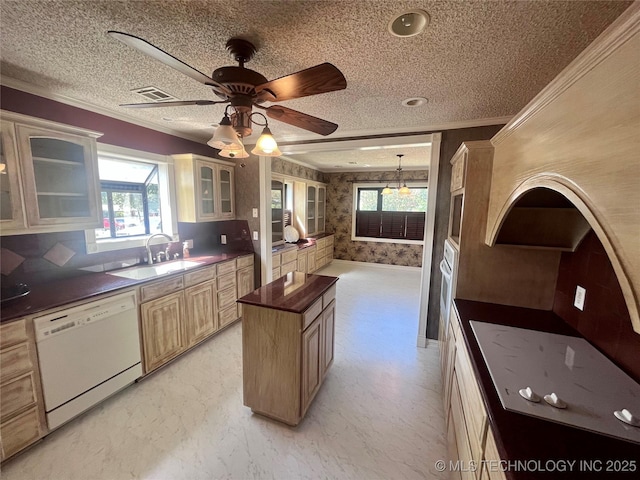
620 31
598 222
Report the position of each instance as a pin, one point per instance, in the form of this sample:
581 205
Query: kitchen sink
143 272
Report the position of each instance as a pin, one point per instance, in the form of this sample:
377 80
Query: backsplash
46 257
605 321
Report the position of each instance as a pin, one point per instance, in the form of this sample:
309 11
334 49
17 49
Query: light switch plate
578 301
255 213
223 239
255 235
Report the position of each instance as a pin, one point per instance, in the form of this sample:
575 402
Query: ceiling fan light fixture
266 145
234 152
225 135
409 24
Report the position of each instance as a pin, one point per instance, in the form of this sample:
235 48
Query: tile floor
378 415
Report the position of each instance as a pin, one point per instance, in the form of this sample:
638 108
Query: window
386 218
136 193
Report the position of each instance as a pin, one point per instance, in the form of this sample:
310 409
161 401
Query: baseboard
377 265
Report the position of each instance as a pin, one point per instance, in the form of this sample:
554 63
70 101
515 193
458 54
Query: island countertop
294 292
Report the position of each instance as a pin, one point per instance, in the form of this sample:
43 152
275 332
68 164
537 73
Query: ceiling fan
244 89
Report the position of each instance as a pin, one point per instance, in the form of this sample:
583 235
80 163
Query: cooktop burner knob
627 417
529 394
555 401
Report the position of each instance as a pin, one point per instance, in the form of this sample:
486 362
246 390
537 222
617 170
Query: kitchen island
287 344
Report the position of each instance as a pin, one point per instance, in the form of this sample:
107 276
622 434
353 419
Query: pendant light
234 152
402 185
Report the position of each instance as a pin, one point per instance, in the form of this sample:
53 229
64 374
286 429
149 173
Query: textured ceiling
477 59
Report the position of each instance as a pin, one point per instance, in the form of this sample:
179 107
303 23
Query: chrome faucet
148 247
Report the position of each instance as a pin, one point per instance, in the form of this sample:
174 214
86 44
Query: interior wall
247 179
285 167
605 320
339 221
451 140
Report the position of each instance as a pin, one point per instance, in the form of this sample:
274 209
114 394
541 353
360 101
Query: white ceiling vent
154 94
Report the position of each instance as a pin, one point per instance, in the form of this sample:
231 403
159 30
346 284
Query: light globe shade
386 191
404 190
224 136
230 152
266 145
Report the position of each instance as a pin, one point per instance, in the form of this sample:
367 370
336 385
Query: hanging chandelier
402 185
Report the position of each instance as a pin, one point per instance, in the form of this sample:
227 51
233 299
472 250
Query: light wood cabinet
469 434
22 420
201 318
301 265
183 310
205 188
282 382
51 182
311 259
310 208
163 332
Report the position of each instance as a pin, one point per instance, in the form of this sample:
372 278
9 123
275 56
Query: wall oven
449 269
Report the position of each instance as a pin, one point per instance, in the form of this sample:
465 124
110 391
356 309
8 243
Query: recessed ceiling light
409 23
415 102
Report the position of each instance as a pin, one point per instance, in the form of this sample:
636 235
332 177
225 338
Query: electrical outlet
255 213
190 243
578 301
255 235
223 239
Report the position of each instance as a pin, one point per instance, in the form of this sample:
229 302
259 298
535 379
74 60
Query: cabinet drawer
227 297
321 243
199 276
328 296
311 313
275 260
289 267
227 316
226 267
227 281
275 273
289 256
13 332
244 261
14 361
17 394
159 289
19 432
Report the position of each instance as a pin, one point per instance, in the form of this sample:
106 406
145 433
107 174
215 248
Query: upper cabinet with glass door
204 188
51 176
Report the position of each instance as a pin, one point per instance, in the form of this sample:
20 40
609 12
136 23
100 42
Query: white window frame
356 186
167 199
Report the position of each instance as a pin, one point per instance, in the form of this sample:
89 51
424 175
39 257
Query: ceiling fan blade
160 55
322 78
301 120
177 103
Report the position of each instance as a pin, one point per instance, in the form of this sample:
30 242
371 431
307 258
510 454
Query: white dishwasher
87 353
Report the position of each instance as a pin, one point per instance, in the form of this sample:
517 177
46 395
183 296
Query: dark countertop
294 292
520 437
300 244
87 285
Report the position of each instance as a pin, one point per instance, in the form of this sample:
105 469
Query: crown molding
43 92
619 32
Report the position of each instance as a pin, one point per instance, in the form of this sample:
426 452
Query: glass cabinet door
321 209
59 183
277 210
311 210
207 199
226 192
11 213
